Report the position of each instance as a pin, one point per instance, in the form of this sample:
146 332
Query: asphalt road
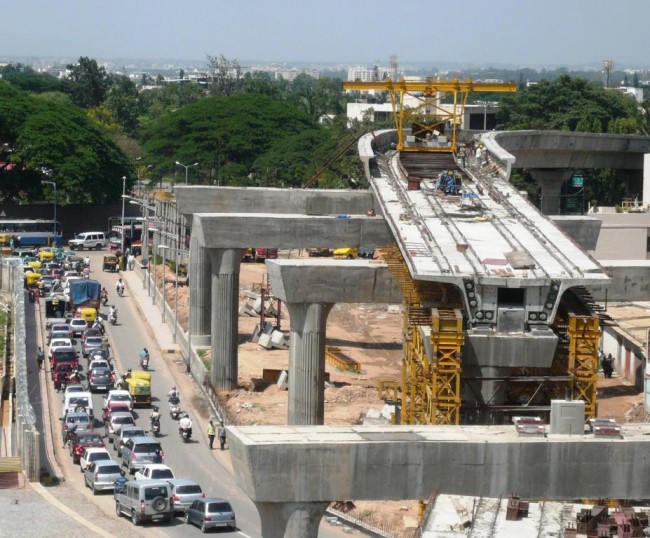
188 460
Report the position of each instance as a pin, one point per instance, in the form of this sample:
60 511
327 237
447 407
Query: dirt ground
372 336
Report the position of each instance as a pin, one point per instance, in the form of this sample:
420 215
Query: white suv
88 240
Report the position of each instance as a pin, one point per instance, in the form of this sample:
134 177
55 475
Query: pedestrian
211 433
610 365
222 435
131 262
40 358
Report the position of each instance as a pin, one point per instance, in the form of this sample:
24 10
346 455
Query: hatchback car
116 421
118 396
78 326
58 343
115 407
210 513
100 379
99 354
82 441
91 343
126 433
81 421
102 474
99 363
154 471
184 493
139 451
93 454
73 387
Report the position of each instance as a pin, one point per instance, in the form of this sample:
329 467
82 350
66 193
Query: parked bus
30 233
132 237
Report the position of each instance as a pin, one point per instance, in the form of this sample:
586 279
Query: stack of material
270 338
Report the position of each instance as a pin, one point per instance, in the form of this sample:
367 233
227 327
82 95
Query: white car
118 396
58 343
93 454
78 326
99 363
73 387
154 471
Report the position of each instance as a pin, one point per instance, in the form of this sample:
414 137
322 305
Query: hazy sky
520 32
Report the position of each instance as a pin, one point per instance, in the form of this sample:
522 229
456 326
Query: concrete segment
225 300
201 199
200 296
582 229
332 281
319 464
242 230
307 363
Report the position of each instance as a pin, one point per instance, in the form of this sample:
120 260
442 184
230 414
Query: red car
119 407
83 440
63 369
67 355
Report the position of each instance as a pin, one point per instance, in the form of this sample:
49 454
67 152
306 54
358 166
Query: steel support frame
584 338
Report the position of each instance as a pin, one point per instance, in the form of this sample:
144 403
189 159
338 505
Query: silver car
138 451
101 475
92 343
210 513
184 493
126 432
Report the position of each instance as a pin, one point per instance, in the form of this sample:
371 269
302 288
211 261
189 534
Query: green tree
87 83
25 78
123 102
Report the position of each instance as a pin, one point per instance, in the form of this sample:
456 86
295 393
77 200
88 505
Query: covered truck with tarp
84 294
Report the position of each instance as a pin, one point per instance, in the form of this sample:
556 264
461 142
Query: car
64 354
90 343
82 441
115 421
81 420
45 284
147 500
211 513
61 370
90 332
89 240
57 273
73 388
78 326
114 407
101 475
100 379
93 454
99 363
58 343
126 432
138 451
118 396
154 471
184 493
68 274
60 330
78 401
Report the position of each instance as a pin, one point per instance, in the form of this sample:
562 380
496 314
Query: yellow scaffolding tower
584 337
432 357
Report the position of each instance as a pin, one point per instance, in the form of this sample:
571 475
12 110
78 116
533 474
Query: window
219 507
151 493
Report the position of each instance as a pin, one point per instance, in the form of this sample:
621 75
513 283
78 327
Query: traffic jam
118 443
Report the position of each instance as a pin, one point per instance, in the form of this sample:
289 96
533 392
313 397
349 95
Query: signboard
577 181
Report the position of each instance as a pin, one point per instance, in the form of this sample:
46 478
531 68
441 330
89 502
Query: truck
84 295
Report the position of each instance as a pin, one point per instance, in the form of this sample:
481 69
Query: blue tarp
84 290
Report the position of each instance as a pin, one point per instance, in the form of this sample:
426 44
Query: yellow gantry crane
417 105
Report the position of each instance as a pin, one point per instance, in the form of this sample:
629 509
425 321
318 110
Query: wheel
118 509
134 518
204 529
159 504
98 246
187 517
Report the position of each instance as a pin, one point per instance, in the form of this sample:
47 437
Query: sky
571 33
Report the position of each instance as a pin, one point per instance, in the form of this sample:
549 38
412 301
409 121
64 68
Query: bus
132 237
117 221
30 233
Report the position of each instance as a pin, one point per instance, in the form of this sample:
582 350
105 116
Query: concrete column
307 363
485 392
224 264
200 293
291 520
551 183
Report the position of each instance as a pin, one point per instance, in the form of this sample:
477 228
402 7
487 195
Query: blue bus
30 232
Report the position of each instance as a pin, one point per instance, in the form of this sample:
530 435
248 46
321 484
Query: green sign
577 181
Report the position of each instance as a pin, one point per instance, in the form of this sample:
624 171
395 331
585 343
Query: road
188 460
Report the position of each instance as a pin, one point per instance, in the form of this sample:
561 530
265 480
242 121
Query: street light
187 167
163 301
176 252
145 235
44 182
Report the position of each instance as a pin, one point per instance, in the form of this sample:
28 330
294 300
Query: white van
89 240
74 400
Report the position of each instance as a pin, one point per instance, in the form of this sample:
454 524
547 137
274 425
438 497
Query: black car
100 379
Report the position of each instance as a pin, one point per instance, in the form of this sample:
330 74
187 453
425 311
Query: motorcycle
174 407
120 290
144 363
112 317
155 426
185 434
104 299
74 377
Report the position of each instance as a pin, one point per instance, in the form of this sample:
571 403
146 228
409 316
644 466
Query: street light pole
53 183
163 301
187 167
123 197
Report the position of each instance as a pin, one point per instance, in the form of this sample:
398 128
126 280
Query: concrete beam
279 464
583 230
202 199
241 230
332 281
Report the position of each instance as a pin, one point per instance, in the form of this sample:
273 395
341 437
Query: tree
123 102
226 75
25 78
87 83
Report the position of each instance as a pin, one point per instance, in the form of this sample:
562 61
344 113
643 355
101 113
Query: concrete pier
551 183
200 295
225 297
306 363
290 520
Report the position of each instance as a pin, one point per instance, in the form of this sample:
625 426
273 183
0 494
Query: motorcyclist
144 358
185 423
69 434
173 394
87 261
120 482
104 296
158 457
112 315
119 287
99 325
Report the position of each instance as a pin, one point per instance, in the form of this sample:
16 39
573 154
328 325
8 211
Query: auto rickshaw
139 387
87 313
31 279
110 264
45 255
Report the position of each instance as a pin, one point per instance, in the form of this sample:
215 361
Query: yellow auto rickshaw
139 387
87 313
45 255
31 279
110 264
